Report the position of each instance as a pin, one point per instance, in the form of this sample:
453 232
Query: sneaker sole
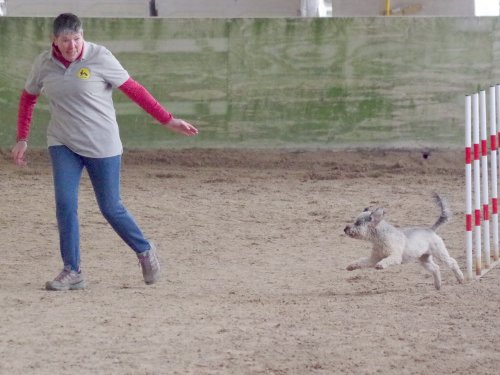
153 280
78 286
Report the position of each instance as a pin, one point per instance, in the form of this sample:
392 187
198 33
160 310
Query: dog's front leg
362 263
391 260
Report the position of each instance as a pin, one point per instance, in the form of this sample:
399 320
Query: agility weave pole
477 164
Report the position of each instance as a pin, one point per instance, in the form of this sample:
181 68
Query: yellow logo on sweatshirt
84 73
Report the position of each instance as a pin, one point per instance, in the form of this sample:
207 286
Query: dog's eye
363 220
360 222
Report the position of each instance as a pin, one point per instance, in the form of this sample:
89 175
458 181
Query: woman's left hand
182 127
18 152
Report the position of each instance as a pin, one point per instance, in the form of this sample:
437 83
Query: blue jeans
104 174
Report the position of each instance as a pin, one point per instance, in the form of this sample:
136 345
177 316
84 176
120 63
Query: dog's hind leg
441 253
427 262
452 263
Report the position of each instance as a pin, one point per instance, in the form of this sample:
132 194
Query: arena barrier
481 165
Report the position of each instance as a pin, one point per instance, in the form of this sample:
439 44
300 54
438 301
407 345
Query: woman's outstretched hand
182 127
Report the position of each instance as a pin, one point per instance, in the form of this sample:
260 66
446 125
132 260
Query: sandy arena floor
254 255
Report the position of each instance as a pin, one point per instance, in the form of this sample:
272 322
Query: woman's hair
67 23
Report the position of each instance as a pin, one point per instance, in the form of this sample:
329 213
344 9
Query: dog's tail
445 211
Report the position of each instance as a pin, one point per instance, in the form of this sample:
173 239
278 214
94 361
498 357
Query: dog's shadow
365 292
364 286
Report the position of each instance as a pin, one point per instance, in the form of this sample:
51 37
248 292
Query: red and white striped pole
494 170
477 181
484 182
468 188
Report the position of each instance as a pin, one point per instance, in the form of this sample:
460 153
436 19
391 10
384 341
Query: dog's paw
379 266
352 267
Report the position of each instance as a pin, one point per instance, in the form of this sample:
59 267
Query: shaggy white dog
392 245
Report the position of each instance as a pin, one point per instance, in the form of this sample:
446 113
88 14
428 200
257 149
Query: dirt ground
255 280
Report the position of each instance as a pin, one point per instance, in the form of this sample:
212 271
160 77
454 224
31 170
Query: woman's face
70 45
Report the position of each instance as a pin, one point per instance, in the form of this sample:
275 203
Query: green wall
382 81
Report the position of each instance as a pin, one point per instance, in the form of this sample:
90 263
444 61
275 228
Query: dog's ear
377 216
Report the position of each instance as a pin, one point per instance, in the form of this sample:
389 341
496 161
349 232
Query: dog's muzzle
351 231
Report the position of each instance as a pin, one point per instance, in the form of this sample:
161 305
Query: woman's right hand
18 152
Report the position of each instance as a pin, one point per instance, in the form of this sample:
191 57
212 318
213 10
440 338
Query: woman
78 78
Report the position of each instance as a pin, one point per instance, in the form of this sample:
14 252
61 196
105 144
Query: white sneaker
67 280
150 265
